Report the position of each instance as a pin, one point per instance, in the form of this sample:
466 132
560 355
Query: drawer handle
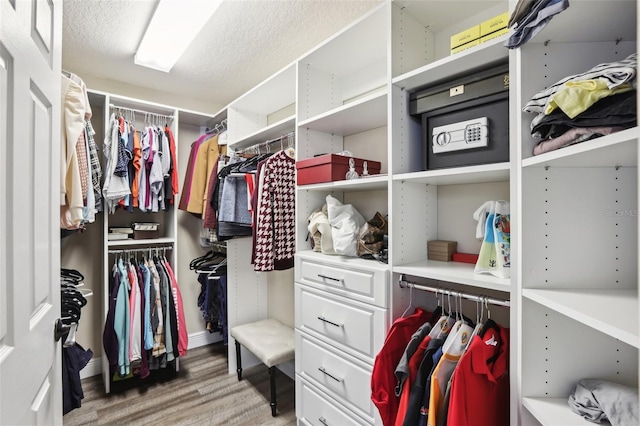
323 319
329 374
340 280
323 421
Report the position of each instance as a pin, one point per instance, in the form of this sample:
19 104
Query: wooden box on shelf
145 230
441 250
331 167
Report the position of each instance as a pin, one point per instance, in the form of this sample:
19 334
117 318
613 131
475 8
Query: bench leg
238 361
272 379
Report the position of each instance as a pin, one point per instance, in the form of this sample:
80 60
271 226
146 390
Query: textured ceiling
244 43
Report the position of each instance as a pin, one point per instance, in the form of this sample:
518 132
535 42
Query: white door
30 73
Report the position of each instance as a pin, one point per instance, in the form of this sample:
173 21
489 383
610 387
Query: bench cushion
270 340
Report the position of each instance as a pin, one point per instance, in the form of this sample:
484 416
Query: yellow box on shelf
464 37
494 35
495 24
466 46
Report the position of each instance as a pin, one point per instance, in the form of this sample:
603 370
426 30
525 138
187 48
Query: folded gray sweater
597 400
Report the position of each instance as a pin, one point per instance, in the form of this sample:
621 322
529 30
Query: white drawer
352 326
341 376
349 279
315 408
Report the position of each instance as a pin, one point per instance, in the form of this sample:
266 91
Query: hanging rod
141 250
112 106
267 142
219 127
403 283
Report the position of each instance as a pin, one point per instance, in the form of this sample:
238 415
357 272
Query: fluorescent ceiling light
173 27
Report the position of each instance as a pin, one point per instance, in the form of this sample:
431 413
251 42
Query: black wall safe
452 114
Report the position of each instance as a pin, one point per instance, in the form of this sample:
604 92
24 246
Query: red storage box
465 257
331 167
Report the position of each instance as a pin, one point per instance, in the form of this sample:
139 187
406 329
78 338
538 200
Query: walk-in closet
374 212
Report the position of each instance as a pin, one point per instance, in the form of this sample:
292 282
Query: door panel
30 75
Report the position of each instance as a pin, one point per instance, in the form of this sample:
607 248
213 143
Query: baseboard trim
201 338
93 368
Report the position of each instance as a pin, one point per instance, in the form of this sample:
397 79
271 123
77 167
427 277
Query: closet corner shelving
342 105
573 289
140 111
438 204
264 113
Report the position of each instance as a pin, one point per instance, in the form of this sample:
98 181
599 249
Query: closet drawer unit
315 408
341 376
352 326
365 285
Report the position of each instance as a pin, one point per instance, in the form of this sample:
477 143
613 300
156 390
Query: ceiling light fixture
174 25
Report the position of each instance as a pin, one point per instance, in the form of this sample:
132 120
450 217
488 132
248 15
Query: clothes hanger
404 314
479 322
444 323
458 338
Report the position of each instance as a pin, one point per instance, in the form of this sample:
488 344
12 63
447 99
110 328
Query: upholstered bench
269 340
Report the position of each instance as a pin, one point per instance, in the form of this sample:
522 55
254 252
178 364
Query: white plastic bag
345 223
494 229
320 230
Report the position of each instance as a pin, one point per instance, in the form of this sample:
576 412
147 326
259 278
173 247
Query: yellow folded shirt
576 97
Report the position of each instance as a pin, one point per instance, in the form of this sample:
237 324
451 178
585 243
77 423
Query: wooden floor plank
200 393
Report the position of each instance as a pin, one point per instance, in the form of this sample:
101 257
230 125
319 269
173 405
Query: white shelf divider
553 412
613 312
372 183
454 272
618 149
498 172
484 55
363 114
272 131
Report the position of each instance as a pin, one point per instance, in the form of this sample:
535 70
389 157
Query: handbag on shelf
371 240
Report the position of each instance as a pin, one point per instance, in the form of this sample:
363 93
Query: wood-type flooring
200 393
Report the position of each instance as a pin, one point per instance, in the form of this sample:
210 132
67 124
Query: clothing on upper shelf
141 169
585 106
530 17
275 214
79 163
202 159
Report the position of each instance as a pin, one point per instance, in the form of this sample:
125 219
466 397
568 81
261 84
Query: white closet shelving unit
342 303
578 210
574 278
102 104
264 113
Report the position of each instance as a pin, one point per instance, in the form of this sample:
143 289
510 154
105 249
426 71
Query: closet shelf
553 411
372 183
617 149
613 312
498 172
454 272
366 113
485 55
272 131
273 94
200 119
343 261
145 242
